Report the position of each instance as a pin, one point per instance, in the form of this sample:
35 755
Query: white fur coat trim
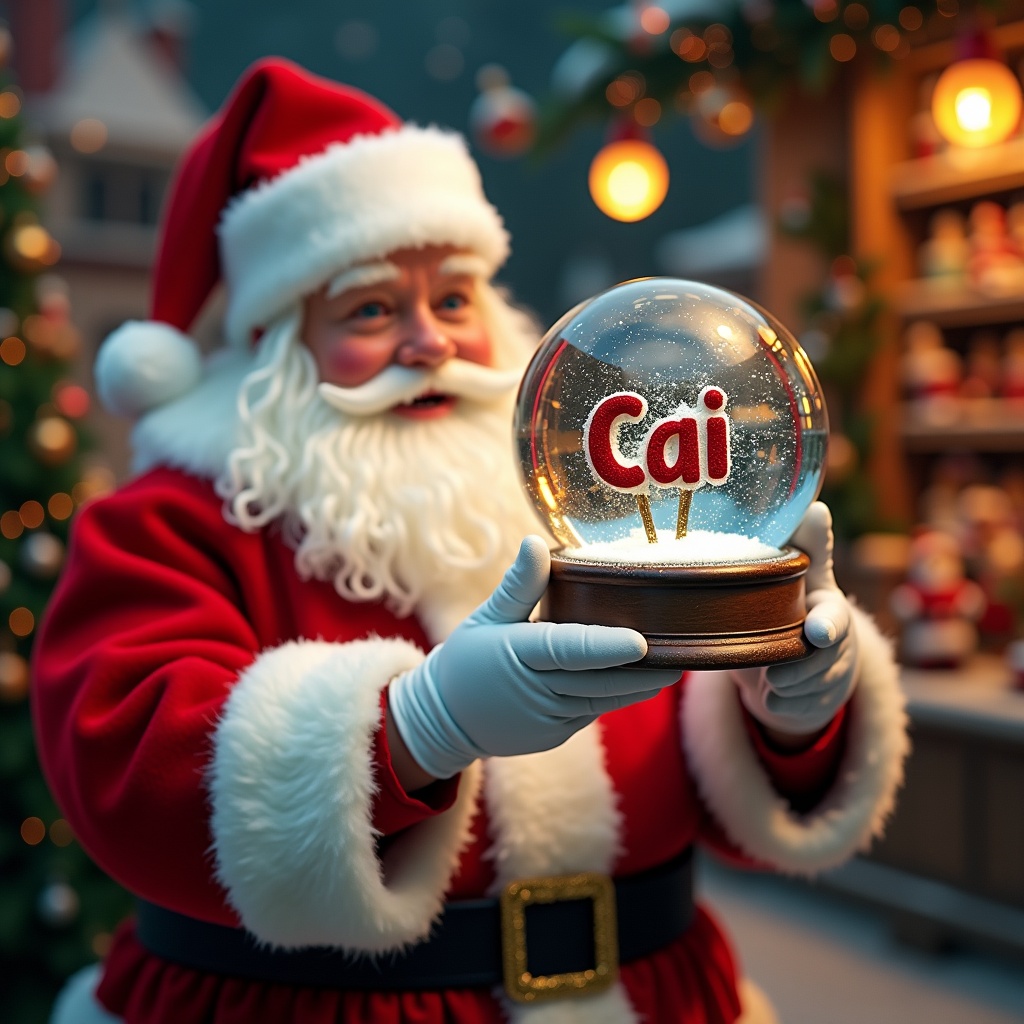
737 789
292 789
553 813
359 201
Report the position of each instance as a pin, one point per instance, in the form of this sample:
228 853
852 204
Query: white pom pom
144 364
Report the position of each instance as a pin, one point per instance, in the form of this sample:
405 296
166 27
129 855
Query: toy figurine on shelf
1015 224
946 251
937 605
993 551
995 265
1012 371
1015 661
983 370
931 373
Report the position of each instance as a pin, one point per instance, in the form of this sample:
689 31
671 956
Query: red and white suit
184 666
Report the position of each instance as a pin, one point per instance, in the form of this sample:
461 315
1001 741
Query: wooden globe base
693 616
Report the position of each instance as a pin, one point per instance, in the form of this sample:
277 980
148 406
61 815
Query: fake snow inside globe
672 434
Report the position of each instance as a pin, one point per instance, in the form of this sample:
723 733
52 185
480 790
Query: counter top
979 698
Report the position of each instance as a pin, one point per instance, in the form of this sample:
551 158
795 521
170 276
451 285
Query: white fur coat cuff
292 790
738 791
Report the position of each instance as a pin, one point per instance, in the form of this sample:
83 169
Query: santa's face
389 506
417 308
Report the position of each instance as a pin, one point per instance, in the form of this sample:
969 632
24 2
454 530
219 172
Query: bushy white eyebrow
465 263
362 276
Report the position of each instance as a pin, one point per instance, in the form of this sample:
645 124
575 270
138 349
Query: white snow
698 547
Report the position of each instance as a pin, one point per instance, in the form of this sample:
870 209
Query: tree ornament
722 115
14 677
42 555
52 440
72 400
629 177
845 292
51 333
40 171
503 119
30 248
58 904
672 435
96 481
8 322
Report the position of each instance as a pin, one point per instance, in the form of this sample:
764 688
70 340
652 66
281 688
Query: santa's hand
800 698
501 685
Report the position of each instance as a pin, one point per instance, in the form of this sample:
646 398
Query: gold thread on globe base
643 503
683 516
693 616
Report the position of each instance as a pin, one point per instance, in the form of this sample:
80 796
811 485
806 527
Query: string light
61 834
911 19
21 621
843 47
60 506
31 513
12 350
647 112
89 135
654 20
33 831
11 526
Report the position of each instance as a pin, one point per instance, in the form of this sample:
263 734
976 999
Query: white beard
424 515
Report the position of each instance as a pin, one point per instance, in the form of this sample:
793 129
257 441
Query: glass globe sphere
669 421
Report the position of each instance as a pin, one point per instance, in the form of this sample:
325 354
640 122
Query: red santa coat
210 724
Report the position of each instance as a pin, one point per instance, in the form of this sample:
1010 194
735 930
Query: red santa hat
295 179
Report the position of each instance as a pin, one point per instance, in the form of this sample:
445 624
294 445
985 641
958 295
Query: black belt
465 947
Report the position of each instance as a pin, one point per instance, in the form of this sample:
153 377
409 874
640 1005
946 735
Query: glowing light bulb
973 109
628 179
976 103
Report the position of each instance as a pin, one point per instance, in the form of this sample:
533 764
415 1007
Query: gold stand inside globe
693 616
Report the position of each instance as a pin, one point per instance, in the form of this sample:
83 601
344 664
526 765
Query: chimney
37 29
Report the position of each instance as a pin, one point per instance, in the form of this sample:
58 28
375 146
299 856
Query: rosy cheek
477 348
349 364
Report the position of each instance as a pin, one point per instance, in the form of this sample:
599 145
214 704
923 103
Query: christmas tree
56 908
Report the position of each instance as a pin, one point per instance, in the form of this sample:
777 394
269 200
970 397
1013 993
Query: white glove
802 697
501 685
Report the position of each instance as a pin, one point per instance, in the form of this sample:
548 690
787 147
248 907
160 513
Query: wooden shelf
978 698
956 305
958 174
985 425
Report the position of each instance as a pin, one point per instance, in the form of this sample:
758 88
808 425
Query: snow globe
671 435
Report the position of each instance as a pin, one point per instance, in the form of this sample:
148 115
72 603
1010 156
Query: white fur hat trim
353 202
145 364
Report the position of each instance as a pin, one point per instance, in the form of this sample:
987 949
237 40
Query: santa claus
322 822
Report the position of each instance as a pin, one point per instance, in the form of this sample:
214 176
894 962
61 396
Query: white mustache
398 385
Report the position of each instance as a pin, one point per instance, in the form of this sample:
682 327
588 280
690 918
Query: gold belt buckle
525 987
